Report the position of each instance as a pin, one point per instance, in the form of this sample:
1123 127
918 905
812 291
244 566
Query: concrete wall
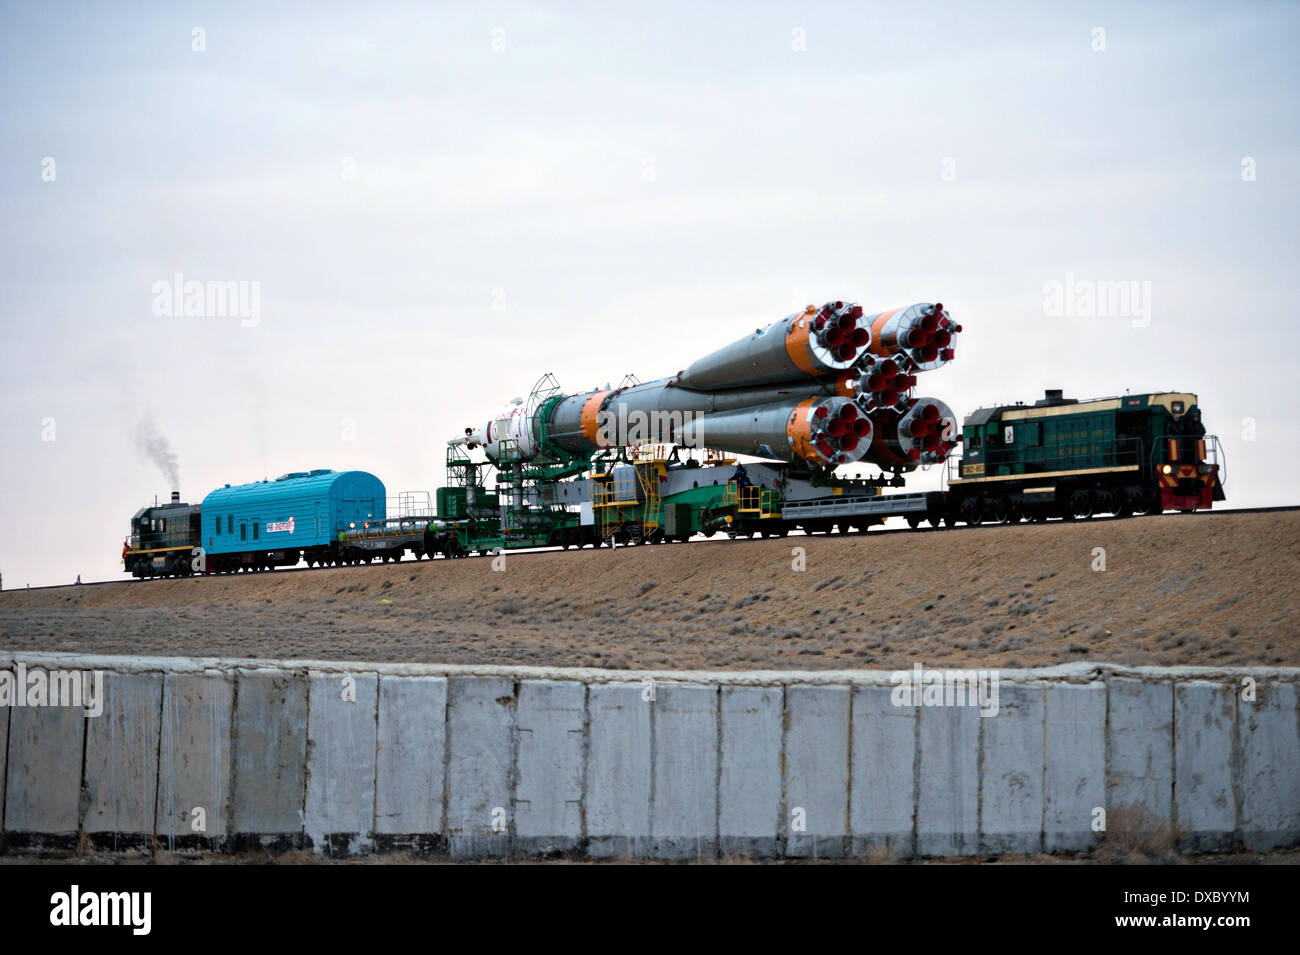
474 762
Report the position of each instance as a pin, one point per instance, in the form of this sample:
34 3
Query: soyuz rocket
823 387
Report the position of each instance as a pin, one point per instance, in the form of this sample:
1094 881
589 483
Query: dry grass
1178 590
1135 836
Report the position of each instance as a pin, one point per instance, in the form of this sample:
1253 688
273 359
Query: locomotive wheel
998 510
972 512
1144 505
1082 505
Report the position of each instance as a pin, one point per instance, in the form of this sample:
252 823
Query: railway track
875 532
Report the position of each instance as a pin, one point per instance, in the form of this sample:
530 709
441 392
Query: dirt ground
1211 589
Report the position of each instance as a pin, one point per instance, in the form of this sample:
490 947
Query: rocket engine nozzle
885 382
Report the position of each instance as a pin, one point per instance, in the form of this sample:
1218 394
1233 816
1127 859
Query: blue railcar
298 515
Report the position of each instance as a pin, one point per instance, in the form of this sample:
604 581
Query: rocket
821 388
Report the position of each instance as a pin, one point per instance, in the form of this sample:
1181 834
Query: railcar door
1132 437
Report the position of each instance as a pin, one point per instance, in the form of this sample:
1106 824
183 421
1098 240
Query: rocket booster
924 333
807 344
822 431
924 433
825 386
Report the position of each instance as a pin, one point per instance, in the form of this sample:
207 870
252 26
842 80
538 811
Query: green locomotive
1061 457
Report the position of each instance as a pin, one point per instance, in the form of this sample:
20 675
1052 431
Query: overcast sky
441 202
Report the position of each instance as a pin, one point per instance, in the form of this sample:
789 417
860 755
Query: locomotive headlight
1167 469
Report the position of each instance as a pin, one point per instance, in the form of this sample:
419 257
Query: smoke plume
159 450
